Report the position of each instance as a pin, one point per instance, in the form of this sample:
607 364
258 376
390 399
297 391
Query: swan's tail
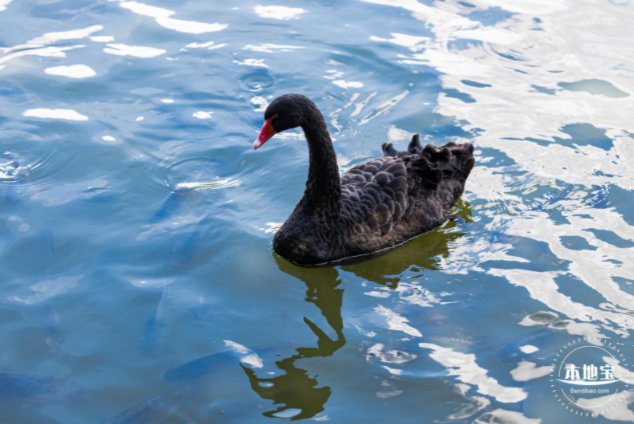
429 165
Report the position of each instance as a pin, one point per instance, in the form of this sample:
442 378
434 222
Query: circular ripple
11 169
195 172
17 168
256 81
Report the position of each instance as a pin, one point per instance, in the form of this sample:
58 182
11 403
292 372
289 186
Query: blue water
138 279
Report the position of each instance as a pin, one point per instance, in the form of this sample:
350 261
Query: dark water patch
621 200
490 16
434 125
17 386
625 284
496 158
475 84
578 291
600 173
584 134
544 90
510 55
596 87
612 238
576 243
460 44
467 4
455 94
541 257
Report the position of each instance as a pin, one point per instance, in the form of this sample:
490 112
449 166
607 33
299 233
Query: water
138 279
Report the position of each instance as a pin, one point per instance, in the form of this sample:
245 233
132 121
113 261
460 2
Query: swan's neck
323 188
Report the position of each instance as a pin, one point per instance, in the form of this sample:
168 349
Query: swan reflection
295 392
295 389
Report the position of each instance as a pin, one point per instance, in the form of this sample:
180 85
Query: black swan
372 207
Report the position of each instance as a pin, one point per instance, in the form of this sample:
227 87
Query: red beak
266 133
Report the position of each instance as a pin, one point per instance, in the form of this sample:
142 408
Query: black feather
414 145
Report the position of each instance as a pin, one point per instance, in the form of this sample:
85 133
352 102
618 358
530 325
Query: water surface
138 279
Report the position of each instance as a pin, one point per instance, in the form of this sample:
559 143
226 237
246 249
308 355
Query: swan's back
403 194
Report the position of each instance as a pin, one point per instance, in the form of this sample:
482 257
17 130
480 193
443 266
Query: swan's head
285 112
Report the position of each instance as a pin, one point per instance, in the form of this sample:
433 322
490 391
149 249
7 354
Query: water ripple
144 52
464 367
163 18
130 184
278 12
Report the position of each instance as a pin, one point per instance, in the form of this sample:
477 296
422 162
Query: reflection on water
294 389
136 223
423 252
300 395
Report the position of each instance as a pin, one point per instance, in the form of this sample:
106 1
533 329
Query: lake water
138 279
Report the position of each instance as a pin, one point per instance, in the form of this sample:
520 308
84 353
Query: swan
372 207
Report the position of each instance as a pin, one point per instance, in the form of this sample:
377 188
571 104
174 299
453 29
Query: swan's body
372 207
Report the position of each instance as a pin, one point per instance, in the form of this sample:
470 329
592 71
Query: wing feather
377 192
